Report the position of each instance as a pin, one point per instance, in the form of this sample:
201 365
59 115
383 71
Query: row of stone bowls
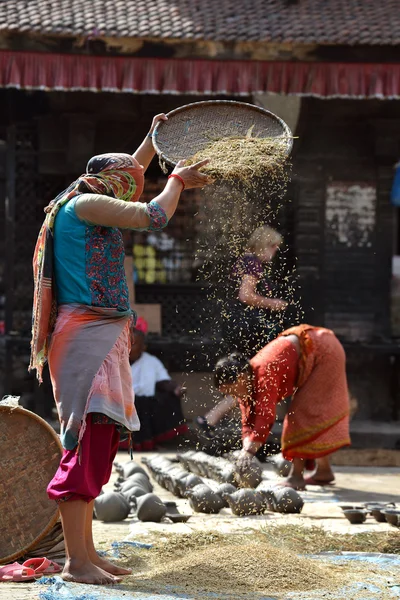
382 512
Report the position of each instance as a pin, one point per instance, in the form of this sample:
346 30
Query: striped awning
75 72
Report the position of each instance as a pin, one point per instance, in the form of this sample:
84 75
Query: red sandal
17 572
42 566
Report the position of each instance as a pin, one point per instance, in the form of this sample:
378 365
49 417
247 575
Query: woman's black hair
228 369
83 188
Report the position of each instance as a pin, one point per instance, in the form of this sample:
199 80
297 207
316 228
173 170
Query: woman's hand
156 120
145 153
243 461
191 175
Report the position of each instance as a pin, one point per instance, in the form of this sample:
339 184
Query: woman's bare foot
322 474
87 572
314 479
296 483
108 566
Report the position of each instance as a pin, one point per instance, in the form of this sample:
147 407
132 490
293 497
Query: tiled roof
369 22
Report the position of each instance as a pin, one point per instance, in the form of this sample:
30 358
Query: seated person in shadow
157 397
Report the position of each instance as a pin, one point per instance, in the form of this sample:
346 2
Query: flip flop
17 572
42 566
312 481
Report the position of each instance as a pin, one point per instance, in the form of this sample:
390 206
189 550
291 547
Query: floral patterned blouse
89 257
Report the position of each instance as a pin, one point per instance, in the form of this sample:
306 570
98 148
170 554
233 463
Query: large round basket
30 452
192 127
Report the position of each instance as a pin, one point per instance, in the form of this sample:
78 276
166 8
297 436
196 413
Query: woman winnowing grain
306 362
81 326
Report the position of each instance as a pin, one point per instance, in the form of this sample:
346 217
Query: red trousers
82 477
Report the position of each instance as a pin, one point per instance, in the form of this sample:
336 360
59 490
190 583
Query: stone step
375 434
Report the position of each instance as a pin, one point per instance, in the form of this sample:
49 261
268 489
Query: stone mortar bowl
378 515
392 516
351 507
355 516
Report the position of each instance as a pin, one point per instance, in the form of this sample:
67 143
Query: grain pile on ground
243 159
228 565
251 567
265 563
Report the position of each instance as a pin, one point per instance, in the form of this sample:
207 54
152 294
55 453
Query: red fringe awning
67 72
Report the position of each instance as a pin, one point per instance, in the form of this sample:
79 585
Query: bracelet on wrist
176 176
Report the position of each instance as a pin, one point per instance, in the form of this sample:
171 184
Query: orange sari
317 423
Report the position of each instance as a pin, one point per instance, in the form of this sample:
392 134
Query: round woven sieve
30 454
191 127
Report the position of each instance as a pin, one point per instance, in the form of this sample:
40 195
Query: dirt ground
356 484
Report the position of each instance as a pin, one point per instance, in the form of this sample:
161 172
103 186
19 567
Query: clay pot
141 480
246 502
392 516
252 478
131 468
184 458
194 466
119 468
192 480
136 481
287 500
134 492
280 464
203 499
355 516
111 507
267 490
158 461
177 473
228 474
180 484
171 484
150 508
187 483
225 488
351 507
125 486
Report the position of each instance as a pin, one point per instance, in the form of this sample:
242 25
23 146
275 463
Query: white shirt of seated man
147 371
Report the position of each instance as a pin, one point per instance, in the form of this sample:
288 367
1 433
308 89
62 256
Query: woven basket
30 454
191 127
